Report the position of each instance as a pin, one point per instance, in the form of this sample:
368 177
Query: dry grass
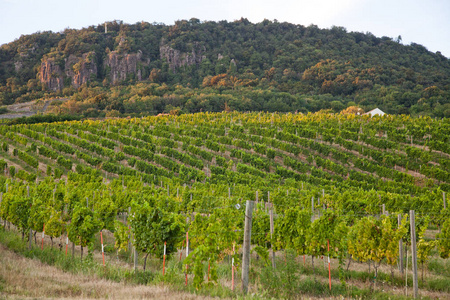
22 278
380 285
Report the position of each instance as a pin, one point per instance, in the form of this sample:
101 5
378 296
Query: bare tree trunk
81 253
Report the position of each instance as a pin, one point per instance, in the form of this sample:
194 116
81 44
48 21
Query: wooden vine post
43 234
30 234
103 249
329 264
443 199
164 259
232 270
187 254
400 247
414 253
246 245
271 233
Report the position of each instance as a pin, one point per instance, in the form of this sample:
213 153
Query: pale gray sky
426 22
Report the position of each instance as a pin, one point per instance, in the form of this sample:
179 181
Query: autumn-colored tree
352 110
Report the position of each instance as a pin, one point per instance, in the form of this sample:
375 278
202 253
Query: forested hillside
197 66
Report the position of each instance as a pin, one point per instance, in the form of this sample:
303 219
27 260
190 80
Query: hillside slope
213 66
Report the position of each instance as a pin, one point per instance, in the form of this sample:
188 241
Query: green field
327 178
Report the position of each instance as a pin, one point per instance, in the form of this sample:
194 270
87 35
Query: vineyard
324 204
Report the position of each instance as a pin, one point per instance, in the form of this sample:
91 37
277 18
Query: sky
425 22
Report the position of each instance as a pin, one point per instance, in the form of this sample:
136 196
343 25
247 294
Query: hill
194 66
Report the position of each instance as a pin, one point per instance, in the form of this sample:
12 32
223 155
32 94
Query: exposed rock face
51 75
18 65
123 64
177 59
80 69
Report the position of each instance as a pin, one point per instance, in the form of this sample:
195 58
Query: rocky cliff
120 65
81 69
51 75
176 58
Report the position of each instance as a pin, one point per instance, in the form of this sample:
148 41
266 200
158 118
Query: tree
424 247
19 212
152 226
39 213
54 226
83 226
373 240
353 110
329 228
213 238
444 240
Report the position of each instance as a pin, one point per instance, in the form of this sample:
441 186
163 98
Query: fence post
271 233
103 249
30 234
43 234
164 259
414 253
400 247
135 258
246 245
443 198
329 263
187 254
129 229
232 270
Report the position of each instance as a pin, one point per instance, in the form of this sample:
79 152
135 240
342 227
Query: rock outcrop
81 69
177 59
51 75
78 69
120 65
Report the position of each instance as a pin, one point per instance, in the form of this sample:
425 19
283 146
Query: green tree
152 226
83 227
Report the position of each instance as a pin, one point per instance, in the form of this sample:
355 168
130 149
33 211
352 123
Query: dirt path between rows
28 109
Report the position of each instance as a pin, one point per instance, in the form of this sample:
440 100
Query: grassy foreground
50 274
